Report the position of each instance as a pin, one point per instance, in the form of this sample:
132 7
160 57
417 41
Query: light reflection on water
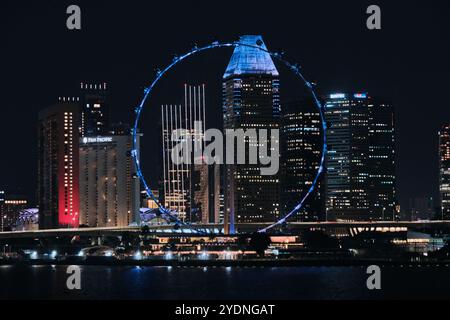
134 282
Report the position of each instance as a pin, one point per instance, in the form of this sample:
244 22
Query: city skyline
384 73
332 98
217 158
360 155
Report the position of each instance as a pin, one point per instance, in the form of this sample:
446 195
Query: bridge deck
213 228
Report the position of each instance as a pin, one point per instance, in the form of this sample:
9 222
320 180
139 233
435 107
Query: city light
203 255
337 96
138 255
109 253
34 255
53 254
168 255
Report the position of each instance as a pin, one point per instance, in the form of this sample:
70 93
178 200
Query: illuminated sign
337 96
360 95
87 140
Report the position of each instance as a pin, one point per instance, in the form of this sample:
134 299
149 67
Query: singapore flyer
213 46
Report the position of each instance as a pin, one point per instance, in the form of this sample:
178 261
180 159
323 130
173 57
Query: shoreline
231 263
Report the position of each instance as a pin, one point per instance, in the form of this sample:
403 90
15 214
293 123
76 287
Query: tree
319 240
145 230
130 240
260 242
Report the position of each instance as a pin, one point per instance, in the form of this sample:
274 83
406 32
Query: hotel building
58 156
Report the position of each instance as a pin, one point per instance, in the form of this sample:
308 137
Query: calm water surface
49 282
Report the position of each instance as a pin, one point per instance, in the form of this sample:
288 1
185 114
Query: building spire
250 60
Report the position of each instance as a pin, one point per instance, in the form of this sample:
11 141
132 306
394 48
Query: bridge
217 229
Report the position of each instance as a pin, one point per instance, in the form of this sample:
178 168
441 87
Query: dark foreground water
49 282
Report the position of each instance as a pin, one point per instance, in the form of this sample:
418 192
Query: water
49 282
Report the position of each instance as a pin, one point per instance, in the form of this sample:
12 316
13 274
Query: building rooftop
248 60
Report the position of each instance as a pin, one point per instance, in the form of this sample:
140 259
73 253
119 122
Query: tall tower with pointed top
251 100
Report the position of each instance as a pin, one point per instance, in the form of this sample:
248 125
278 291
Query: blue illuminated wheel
148 90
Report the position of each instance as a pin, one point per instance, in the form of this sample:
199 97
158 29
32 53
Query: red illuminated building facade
58 177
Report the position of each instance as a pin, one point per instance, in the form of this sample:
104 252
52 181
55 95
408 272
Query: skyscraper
251 100
382 191
2 216
175 176
190 189
58 167
214 196
444 171
360 178
109 190
94 109
301 152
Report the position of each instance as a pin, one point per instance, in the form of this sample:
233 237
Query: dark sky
122 42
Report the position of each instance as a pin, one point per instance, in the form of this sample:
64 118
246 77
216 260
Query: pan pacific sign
87 140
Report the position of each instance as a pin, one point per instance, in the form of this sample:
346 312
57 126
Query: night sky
122 42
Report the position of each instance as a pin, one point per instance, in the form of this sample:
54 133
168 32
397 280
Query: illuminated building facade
214 196
10 209
444 171
250 101
301 152
109 190
191 190
360 162
2 200
58 167
175 176
147 202
94 109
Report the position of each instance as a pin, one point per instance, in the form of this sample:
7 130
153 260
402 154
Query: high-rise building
10 210
360 178
214 196
2 201
175 176
444 171
58 188
301 152
109 188
251 100
382 192
190 189
94 109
